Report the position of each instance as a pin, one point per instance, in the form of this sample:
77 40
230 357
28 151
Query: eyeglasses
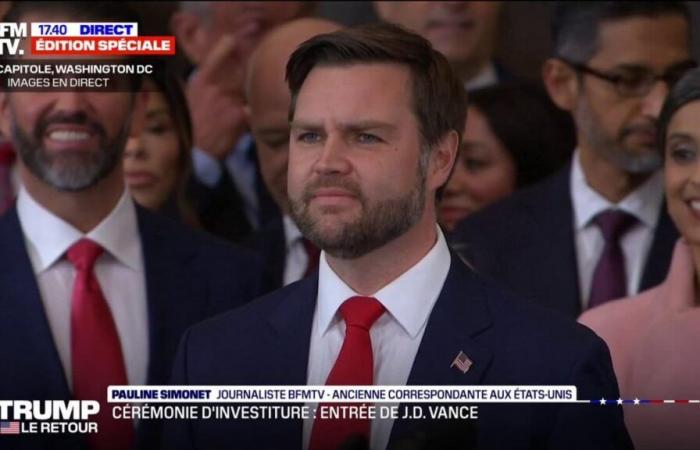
636 83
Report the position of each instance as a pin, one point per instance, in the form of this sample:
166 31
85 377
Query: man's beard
377 225
613 150
69 170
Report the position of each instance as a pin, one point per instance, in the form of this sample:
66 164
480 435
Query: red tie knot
361 311
84 253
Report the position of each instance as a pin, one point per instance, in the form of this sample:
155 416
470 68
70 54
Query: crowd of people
307 203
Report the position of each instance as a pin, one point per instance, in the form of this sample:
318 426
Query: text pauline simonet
75 55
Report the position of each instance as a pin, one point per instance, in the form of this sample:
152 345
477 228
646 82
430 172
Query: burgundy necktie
7 159
354 366
313 254
609 277
96 354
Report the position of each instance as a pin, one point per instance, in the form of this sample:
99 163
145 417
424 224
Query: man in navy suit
93 289
556 243
376 120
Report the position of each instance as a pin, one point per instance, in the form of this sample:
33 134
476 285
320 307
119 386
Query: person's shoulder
247 320
526 329
209 248
498 218
619 320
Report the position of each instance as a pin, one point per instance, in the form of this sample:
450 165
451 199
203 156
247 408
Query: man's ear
562 83
442 158
191 35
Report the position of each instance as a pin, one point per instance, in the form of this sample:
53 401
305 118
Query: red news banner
102 46
81 39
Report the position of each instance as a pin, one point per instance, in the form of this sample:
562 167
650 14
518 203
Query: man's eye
309 138
366 138
633 80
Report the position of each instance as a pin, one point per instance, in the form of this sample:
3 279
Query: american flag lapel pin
462 362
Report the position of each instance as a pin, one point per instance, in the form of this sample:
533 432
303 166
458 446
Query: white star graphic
619 401
636 401
602 401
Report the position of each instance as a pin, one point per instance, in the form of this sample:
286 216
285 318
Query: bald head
268 98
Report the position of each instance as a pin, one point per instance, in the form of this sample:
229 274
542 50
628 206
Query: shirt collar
486 77
50 236
292 234
644 203
409 299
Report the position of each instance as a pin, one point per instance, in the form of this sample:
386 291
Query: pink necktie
609 278
96 353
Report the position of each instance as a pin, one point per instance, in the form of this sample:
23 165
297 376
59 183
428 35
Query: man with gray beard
598 230
376 119
94 291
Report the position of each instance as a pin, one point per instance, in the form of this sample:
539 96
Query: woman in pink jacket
654 337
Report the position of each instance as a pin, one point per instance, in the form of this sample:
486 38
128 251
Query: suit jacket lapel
291 323
23 322
459 315
554 250
659 258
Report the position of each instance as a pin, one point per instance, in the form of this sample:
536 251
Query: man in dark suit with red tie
376 121
94 291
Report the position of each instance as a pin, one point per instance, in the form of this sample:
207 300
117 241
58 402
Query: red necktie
313 254
609 278
354 366
7 159
96 354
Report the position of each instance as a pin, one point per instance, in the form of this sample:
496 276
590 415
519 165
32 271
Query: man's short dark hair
439 99
575 25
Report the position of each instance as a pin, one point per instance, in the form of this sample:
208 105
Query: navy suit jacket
271 245
526 242
189 277
509 341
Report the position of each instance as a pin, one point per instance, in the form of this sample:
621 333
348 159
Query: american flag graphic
462 362
9 427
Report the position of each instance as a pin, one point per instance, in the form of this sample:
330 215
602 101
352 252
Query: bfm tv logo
11 35
48 416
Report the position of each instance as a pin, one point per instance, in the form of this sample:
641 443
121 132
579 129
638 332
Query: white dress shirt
396 335
119 270
644 203
296 260
486 77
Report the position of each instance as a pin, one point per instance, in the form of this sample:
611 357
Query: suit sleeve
177 434
591 426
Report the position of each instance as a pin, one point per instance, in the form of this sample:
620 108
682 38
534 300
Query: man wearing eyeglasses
598 230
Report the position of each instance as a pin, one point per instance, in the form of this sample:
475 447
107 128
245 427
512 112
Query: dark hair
538 136
687 90
170 86
575 25
439 100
